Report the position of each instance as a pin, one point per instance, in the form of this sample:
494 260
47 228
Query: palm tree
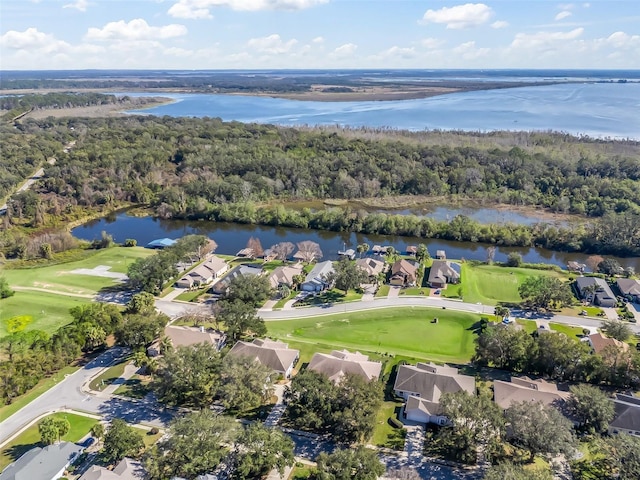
362 248
165 345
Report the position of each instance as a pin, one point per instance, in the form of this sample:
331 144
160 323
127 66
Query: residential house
403 273
599 342
127 469
284 275
371 267
317 279
423 384
181 336
627 415
341 362
441 255
48 463
161 243
222 286
443 272
629 288
524 389
204 274
271 353
574 266
595 290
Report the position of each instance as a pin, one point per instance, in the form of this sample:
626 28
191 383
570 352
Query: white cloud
432 43
398 52
499 24
137 29
562 15
623 40
318 40
566 6
469 51
345 50
526 40
201 8
80 5
460 16
30 38
271 44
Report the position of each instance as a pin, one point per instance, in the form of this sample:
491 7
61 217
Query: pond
231 237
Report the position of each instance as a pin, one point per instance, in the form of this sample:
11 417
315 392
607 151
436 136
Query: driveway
610 313
394 291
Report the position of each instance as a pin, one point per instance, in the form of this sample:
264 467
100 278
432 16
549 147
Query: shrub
130 242
395 423
154 431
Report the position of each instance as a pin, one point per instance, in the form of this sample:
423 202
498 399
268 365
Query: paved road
68 394
25 186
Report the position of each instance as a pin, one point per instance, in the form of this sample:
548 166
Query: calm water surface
231 237
594 109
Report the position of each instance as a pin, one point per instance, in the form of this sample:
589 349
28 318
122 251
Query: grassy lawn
149 439
30 438
42 386
107 377
192 295
492 284
396 331
530 326
415 291
571 332
452 291
45 311
383 291
384 435
135 387
280 303
300 473
330 296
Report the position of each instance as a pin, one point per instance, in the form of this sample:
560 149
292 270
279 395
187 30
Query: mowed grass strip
30 438
396 331
48 311
491 284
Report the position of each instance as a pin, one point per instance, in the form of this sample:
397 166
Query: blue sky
253 34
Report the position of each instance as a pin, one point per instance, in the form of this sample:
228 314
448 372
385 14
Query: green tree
195 444
591 407
244 383
260 450
504 347
121 441
545 292
501 312
98 430
355 409
138 331
616 329
309 400
252 290
473 421
349 464
52 429
103 315
539 429
189 376
239 318
5 290
362 248
142 302
511 471
514 259
150 274
610 266
347 275
422 253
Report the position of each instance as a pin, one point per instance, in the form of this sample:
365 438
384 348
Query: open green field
30 438
45 311
397 331
492 284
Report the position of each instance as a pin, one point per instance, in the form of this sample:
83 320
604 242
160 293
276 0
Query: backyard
408 332
493 284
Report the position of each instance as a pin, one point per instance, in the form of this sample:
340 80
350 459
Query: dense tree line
12 105
194 168
556 356
33 355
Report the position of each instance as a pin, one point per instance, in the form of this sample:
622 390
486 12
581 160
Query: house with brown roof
284 275
443 272
270 353
423 384
599 342
524 389
182 336
627 416
127 469
204 274
341 362
403 273
629 288
371 267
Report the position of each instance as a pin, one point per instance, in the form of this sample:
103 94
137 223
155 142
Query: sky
305 34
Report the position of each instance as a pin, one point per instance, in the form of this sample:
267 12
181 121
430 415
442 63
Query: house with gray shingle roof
270 353
318 278
423 384
443 272
48 463
595 290
630 288
627 415
127 469
339 363
525 389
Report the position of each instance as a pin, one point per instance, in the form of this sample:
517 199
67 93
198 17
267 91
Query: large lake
231 237
593 109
